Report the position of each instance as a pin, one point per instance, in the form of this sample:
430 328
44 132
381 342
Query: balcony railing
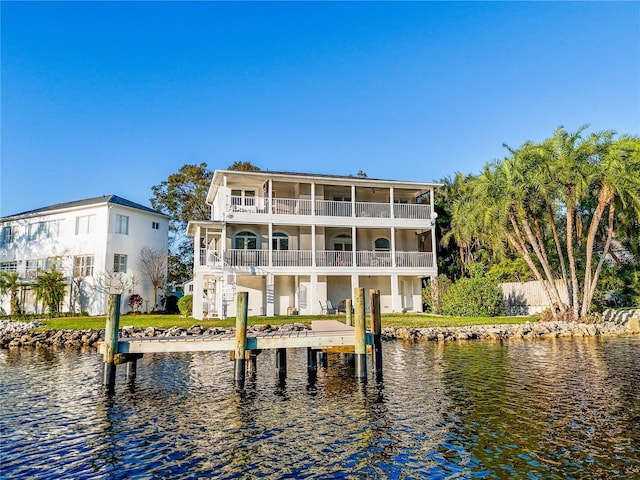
328 208
324 258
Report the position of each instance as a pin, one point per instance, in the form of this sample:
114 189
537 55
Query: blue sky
111 98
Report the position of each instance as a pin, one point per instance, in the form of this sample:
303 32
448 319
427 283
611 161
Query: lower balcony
323 258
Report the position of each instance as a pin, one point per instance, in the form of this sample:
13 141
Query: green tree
564 184
10 283
49 288
183 197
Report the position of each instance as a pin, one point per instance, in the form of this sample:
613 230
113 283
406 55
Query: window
342 242
85 224
83 266
120 263
246 241
9 266
41 264
381 245
8 235
280 241
246 198
45 229
122 224
155 225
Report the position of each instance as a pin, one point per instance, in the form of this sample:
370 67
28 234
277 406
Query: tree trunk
572 261
604 198
586 305
556 240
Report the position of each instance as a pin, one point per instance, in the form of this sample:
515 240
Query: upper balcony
305 211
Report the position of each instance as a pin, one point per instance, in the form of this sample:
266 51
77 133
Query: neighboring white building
300 243
83 239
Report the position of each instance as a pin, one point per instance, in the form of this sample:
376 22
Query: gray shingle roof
114 199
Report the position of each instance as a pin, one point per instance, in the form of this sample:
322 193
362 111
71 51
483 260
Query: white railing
291 258
333 258
373 210
324 258
332 208
247 258
414 259
291 206
412 210
373 259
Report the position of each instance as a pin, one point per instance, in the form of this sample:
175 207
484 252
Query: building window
245 241
9 266
280 241
122 224
43 230
120 263
342 242
85 224
244 198
155 225
381 245
83 266
8 235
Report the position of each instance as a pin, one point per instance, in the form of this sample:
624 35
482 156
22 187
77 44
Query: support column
360 334
312 361
242 302
376 329
271 294
396 300
315 306
393 247
281 362
111 340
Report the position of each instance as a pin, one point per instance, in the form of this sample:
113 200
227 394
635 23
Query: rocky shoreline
23 335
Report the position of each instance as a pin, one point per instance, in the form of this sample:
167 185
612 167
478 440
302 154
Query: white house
300 243
84 239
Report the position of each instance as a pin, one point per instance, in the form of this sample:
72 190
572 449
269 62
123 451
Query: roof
112 199
339 179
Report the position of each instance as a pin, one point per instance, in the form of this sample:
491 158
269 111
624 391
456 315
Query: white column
393 246
313 199
315 305
353 200
198 294
396 301
391 200
355 283
270 199
313 245
271 295
354 242
270 240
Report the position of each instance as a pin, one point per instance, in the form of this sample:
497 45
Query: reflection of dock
324 336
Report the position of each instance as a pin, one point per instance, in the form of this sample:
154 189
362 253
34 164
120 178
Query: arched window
245 241
280 241
342 242
381 245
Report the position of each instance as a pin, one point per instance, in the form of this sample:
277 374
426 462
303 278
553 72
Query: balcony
323 258
328 208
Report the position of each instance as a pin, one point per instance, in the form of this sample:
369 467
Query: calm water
540 409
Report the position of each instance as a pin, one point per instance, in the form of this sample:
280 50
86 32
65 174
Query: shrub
473 297
433 294
185 305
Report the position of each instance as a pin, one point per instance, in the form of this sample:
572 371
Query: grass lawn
167 321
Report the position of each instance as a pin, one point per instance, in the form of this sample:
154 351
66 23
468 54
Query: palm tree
10 283
49 287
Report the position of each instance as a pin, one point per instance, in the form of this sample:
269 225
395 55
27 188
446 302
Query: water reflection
543 409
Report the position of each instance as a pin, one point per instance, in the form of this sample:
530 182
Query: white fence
529 298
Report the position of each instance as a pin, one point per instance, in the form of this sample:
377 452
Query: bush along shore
26 335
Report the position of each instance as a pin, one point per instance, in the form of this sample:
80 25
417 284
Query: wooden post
252 356
281 362
349 312
376 328
111 340
360 334
132 370
324 359
241 337
312 361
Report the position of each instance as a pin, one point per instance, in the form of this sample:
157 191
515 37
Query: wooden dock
324 336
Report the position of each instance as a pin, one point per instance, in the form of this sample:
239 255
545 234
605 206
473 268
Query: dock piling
111 340
312 361
360 347
281 362
376 329
241 338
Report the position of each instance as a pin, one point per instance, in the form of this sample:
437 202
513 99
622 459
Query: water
540 409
